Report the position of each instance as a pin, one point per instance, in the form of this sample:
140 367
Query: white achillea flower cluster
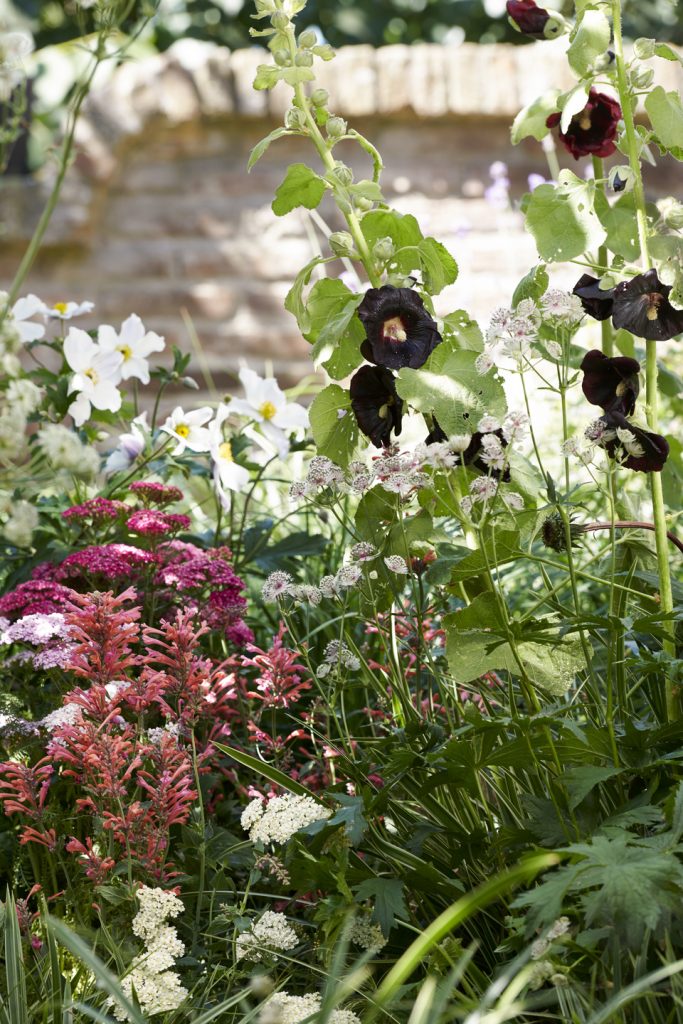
282 1008
22 521
270 934
562 307
281 817
367 935
157 988
337 656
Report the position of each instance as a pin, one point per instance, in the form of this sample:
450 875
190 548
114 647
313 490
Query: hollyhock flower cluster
640 305
278 819
280 681
591 132
270 934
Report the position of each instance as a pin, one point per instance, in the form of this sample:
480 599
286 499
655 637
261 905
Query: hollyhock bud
307 39
304 59
383 249
593 130
295 118
534 21
319 97
336 127
341 243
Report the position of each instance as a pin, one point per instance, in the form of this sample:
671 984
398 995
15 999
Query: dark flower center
394 330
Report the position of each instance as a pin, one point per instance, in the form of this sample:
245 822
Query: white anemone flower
19 318
96 375
134 343
227 474
130 446
188 429
267 405
68 310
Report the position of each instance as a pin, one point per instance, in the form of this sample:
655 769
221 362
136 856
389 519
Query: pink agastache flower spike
279 683
103 630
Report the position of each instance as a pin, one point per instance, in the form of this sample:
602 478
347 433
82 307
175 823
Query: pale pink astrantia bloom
189 429
134 343
266 404
96 374
227 474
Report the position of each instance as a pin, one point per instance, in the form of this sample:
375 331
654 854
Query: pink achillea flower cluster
47 632
279 682
97 511
107 561
35 597
152 523
152 493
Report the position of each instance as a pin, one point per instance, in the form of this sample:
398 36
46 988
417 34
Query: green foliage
333 425
589 40
562 218
301 187
665 111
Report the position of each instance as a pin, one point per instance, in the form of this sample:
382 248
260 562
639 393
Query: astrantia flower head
396 564
278 584
630 445
495 463
597 302
399 330
593 130
642 307
612 383
376 404
562 307
534 21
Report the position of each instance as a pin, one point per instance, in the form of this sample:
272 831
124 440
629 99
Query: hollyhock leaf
411 530
666 52
367 189
620 224
531 120
438 266
532 286
331 307
297 75
267 75
294 302
562 218
333 425
346 355
454 391
590 40
553 667
462 332
402 229
260 147
665 111
301 187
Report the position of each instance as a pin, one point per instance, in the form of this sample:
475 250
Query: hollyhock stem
605 325
651 393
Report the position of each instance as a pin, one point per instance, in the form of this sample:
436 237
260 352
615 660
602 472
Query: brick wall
160 217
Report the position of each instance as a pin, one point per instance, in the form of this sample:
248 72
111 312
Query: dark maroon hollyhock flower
376 404
596 302
634 447
593 130
531 20
642 307
399 330
611 383
473 454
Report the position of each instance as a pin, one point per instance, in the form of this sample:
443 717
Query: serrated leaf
331 306
301 187
294 300
295 76
333 425
531 120
260 147
581 779
267 75
463 332
590 40
563 220
665 111
621 226
453 390
438 266
387 897
532 286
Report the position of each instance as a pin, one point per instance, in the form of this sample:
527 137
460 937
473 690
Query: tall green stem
651 392
605 325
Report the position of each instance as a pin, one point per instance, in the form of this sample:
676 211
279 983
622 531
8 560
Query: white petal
278 437
107 338
79 349
291 416
132 331
138 368
80 410
198 417
28 307
106 396
244 408
151 342
28 331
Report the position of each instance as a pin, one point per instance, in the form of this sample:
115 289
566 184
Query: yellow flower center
182 430
585 122
126 351
92 375
653 300
61 307
225 452
393 330
267 410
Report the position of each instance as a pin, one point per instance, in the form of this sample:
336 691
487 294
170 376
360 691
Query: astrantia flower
563 307
277 585
642 307
597 302
482 455
399 330
266 404
95 378
593 130
630 445
68 310
188 429
376 404
134 344
397 564
611 383
532 20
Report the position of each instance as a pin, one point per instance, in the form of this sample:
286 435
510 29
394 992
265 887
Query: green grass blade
17 1009
633 991
267 770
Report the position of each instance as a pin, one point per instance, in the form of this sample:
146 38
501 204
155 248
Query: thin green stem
605 325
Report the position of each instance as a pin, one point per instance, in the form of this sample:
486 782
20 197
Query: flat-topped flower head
596 301
630 445
96 375
189 429
642 307
376 404
593 130
399 330
266 404
534 21
134 344
611 382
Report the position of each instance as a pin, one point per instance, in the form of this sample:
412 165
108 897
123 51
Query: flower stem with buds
651 394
